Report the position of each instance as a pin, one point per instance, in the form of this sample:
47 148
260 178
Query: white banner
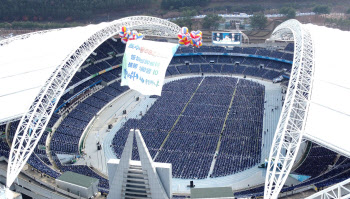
144 65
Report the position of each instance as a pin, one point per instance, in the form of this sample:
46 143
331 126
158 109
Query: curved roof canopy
328 117
66 51
27 63
317 105
29 60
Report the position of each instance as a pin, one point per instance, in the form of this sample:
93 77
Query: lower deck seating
188 120
261 68
320 165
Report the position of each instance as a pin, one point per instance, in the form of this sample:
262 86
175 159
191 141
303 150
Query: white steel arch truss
33 123
340 190
289 130
155 30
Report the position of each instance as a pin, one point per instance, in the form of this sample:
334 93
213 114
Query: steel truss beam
155 30
336 191
33 123
289 130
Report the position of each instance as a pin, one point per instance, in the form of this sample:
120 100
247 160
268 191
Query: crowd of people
240 146
66 137
195 125
192 112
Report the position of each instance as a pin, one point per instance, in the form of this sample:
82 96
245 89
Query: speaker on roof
110 126
124 112
137 99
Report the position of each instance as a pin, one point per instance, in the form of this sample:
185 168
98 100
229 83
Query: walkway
222 130
111 114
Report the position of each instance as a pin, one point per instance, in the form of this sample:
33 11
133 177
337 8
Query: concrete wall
78 190
164 172
165 176
112 165
30 193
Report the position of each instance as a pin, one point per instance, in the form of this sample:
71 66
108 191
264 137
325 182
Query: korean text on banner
144 65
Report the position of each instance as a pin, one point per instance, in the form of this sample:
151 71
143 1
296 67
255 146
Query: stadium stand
266 69
103 185
317 161
326 171
246 50
66 138
38 160
243 125
199 118
4 148
189 110
289 47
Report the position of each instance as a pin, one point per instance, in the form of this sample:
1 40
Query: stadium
265 122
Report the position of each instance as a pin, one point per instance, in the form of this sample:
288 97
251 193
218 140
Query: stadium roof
328 117
77 179
216 192
316 105
28 62
37 67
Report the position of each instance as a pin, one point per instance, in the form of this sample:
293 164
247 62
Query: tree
211 21
258 21
289 12
339 23
251 8
60 10
322 9
186 20
348 11
170 4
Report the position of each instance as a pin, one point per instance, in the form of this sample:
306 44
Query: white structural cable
34 122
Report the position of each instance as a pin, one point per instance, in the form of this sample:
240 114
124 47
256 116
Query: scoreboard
227 38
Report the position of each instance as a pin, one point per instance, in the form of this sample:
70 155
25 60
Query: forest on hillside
72 10
67 10
47 14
